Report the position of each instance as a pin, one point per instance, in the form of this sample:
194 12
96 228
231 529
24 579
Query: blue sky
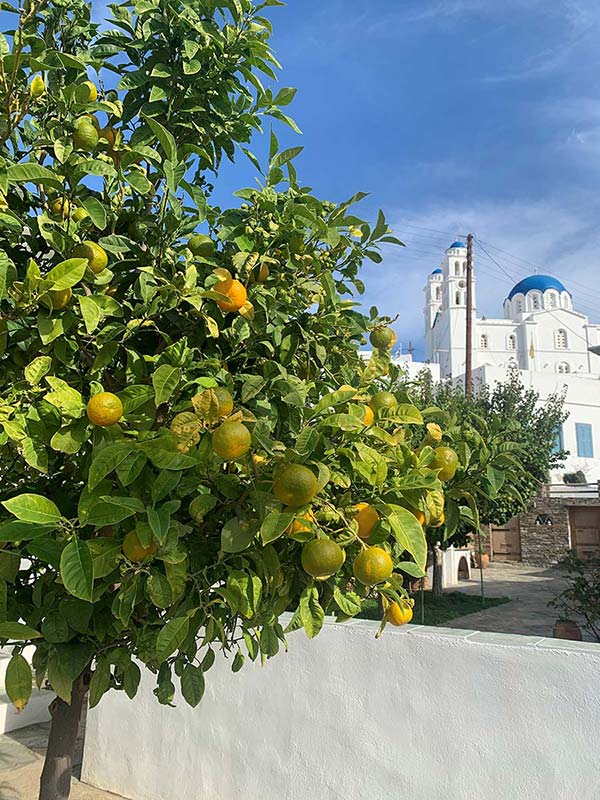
456 115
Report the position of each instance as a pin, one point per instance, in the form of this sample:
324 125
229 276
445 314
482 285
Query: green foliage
581 599
149 328
505 441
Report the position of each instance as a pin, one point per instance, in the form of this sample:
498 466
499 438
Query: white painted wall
582 404
422 713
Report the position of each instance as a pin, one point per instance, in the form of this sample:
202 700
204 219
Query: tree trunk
55 781
437 553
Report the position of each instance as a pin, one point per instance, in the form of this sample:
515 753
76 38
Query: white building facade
540 333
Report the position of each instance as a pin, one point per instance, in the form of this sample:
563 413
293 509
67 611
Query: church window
535 302
512 342
552 300
457 267
563 368
457 298
483 341
438 292
519 306
565 301
560 339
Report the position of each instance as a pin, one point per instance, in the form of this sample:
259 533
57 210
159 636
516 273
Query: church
540 333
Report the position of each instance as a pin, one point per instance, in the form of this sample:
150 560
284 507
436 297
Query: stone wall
545 530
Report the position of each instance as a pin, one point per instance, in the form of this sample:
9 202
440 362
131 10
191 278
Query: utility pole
469 331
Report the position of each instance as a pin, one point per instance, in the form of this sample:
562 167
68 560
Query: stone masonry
545 530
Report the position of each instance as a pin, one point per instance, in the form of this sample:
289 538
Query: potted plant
567 629
580 600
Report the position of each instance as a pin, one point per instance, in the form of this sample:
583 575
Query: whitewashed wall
422 713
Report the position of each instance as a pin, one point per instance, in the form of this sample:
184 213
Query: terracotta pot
567 629
485 560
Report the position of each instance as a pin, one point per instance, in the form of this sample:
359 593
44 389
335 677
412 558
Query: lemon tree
191 446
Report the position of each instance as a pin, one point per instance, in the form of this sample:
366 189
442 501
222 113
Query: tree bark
437 553
55 780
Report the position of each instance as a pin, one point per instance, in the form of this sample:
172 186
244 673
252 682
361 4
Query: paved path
21 761
529 588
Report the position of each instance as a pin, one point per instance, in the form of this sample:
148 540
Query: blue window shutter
585 444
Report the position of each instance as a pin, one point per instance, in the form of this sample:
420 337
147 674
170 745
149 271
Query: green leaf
66 274
76 613
77 571
165 381
159 521
18 681
35 371
33 173
409 534
348 602
75 657
18 632
105 556
91 313
139 182
58 678
161 454
50 328
311 613
411 569
236 536
275 525
159 590
192 684
405 414
66 399
165 138
6 271
23 531
108 459
33 508
96 211
269 643
112 510
170 637
55 628
69 438
332 399
100 682
285 156
131 680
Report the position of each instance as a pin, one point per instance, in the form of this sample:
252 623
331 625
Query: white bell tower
445 318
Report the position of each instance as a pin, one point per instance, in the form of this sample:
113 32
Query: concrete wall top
422 713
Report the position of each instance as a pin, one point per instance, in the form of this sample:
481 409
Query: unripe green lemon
295 485
96 255
37 87
383 400
202 245
85 135
321 558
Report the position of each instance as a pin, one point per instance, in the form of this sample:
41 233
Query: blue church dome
536 283
437 271
457 244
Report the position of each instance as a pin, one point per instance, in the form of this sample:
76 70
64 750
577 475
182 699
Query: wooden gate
585 531
506 541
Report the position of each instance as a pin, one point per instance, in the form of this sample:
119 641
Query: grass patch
438 610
